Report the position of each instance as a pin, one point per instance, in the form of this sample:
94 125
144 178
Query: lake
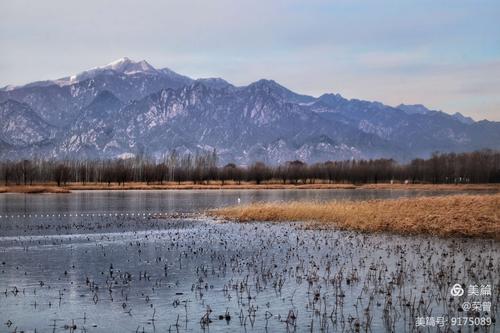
145 261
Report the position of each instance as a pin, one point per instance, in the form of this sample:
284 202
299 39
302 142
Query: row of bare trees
474 167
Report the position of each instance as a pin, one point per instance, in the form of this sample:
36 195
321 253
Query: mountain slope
129 107
21 126
59 102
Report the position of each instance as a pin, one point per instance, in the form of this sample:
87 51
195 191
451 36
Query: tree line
472 167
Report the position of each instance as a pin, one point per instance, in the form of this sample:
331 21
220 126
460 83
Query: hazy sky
444 54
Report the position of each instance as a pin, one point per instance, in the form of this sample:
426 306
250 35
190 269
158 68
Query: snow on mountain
60 102
460 117
413 109
122 66
420 109
129 108
22 127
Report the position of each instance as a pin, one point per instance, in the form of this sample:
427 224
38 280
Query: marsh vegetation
456 215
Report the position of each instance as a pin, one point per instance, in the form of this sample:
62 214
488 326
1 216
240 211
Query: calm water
120 262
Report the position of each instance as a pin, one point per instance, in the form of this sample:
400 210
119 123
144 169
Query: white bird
239 200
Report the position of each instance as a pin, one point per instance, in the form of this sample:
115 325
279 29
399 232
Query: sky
443 54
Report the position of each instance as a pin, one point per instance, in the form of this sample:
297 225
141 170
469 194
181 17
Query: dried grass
211 186
271 185
217 185
33 189
432 187
456 215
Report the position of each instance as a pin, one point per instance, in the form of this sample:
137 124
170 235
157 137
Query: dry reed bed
53 188
217 185
33 189
432 187
211 186
456 215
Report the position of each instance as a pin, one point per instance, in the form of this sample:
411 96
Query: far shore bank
444 216
33 189
68 188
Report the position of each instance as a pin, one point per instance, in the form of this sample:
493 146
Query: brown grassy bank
278 186
433 187
211 186
456 215
53 188
35 189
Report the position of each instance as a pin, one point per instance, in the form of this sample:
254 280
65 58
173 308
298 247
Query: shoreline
33 189
52 188
475 216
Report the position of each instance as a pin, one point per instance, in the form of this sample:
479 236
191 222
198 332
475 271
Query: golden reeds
455 215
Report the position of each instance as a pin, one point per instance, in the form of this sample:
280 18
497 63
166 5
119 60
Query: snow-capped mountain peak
128 107
123 65
127 66
118 63
138 70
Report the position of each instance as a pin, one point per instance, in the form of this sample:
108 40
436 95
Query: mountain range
129 108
